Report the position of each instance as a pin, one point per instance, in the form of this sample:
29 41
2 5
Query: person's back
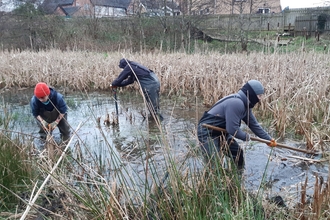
150 85
228 113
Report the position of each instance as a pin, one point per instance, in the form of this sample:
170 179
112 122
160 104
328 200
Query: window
263 11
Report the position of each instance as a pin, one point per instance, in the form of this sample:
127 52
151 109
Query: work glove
44 124
52 125
272 143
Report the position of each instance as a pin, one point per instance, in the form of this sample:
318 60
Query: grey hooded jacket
228 113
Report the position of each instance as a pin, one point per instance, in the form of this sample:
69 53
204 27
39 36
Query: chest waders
49 117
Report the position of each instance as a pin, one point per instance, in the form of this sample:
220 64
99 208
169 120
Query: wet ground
110 142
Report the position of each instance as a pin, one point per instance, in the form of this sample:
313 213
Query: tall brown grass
297 87
297 84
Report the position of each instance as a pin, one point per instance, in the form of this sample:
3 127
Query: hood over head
122 63
251 89
257 87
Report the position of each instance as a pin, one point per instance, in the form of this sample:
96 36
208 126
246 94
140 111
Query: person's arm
43 123
39 118
54 124
255 127
125 78
59 118
34 107
35 112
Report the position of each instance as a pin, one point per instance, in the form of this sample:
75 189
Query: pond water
129 139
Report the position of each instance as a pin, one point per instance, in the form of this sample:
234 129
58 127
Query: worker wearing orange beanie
50 110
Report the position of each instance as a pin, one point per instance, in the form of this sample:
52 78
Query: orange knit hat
41 90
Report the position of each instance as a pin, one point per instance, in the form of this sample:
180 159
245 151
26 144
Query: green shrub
15 172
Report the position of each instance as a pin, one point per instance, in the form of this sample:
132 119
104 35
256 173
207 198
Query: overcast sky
303 3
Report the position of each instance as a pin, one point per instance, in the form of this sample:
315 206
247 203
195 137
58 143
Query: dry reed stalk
307 133
297 85
303 202
317 197
31 202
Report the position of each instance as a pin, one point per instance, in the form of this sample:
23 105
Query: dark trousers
63 125
218 144
151 94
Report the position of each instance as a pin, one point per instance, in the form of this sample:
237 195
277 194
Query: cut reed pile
297 84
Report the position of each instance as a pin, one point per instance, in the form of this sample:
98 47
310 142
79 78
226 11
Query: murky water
126 141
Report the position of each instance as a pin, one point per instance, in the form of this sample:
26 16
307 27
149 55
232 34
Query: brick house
117 8
87 8
154 7
199 7
109 8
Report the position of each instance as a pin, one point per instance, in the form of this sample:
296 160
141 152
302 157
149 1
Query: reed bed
297 84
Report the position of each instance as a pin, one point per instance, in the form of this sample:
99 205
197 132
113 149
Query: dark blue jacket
145 76
56 99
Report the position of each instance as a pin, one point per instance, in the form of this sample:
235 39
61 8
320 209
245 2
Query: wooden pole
265 141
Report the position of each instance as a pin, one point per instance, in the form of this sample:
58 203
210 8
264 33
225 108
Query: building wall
198 7
86 9
101 11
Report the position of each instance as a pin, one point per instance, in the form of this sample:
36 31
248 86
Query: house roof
49 6
112 3
69 11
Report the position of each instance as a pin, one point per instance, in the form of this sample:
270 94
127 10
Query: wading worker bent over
50 110
228 113
148 80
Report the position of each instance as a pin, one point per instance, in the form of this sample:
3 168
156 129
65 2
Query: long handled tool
115 96
265 141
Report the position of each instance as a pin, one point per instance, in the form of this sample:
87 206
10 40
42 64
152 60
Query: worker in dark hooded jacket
133 71
228 113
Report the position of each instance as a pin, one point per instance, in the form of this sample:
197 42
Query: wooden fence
304 21
295 21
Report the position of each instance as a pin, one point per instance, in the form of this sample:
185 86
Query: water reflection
135 144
